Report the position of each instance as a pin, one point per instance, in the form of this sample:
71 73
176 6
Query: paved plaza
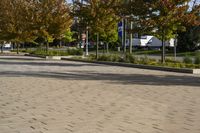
41 96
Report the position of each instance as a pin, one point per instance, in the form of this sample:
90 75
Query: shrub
121 59
67 52
115 58
75 51
197 66
144 60
105 57
176 65
153 63
131 58
187 60
197 59
92 56
190 65
169 60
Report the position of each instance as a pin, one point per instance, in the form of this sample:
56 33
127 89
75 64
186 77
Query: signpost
83 37
120 33
87 42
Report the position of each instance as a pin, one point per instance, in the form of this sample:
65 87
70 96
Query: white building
151 42
7 45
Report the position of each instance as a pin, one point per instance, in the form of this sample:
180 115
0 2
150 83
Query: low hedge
128 58
39 51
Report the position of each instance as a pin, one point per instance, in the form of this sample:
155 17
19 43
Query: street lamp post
175 45
87 42
131 38
124 34
97 47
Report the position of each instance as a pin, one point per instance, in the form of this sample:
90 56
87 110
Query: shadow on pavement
46 63
139 79
21 58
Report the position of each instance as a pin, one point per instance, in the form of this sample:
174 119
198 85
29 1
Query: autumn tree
52 19
16 21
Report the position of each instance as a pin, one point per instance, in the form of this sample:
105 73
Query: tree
68 36
101 17
1 46
16 21
189 40
135 14
162 18
52 19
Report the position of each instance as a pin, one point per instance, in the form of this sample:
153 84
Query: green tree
189 40
101 17
162 18
1 46
68 36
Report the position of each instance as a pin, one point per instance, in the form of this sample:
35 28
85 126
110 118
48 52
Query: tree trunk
107 48
23 45
2 49
60 43
47 47
26 46
97 48
17 48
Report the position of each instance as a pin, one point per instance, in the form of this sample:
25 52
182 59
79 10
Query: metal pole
131 39
175 44
163 50
122 32
97 48
124 36
86 50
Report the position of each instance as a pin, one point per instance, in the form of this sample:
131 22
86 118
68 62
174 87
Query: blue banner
120 29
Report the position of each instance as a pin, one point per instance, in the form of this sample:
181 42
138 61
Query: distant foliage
187 60
188 63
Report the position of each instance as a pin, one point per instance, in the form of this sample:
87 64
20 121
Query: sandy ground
39 96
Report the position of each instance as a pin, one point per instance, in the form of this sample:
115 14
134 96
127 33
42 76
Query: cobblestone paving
68 97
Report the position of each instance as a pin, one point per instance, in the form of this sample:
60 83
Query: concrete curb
53 57
32 55
169 69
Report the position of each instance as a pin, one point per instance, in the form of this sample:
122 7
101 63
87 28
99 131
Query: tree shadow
21 58
138 79
47 64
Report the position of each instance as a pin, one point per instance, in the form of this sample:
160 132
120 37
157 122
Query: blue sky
69 1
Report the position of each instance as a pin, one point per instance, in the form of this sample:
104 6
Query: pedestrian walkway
40 96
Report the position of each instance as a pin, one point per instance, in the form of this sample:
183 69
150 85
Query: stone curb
32 55
169 69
